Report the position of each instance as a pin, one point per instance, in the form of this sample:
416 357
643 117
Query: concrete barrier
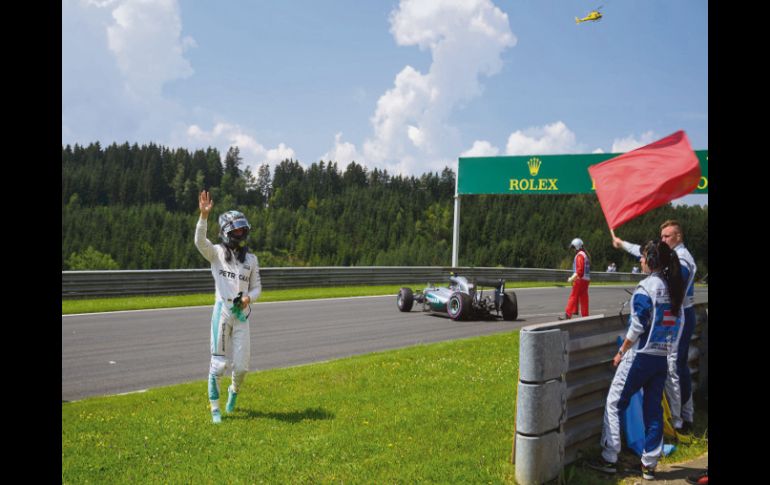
565 371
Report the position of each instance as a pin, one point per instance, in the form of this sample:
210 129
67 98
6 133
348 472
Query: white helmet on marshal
576 243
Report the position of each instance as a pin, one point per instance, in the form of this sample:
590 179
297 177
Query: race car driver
237 282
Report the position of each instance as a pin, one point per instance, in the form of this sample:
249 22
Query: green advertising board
541 174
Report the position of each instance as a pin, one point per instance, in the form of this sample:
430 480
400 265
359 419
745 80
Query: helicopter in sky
593 16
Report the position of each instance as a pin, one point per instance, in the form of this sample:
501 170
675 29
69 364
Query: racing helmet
576 243
230 221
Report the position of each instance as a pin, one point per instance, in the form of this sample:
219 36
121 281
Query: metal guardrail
565 373
91 284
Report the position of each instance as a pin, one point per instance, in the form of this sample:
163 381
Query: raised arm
201 242
632 249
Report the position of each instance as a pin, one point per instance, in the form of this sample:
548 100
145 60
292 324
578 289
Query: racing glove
572 278
236 308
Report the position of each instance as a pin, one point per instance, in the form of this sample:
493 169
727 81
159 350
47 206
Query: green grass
96 305
438 413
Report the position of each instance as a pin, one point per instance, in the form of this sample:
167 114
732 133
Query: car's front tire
405 299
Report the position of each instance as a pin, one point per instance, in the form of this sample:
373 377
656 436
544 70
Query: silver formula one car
463 299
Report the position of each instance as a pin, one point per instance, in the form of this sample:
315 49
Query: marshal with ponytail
663 260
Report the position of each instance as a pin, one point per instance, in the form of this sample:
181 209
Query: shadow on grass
309 414
488 318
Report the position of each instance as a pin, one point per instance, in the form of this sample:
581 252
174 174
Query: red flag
640 180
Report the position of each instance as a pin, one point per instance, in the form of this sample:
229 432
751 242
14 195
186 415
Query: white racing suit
679 381
228 333
655 331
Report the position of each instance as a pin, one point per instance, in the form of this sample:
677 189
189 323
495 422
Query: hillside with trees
135 207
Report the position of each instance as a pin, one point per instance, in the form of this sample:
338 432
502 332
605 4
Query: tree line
135 207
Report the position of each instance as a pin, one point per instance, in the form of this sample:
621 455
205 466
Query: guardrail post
539 440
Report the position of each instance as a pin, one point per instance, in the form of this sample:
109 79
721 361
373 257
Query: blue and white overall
679 382
655 331
228 333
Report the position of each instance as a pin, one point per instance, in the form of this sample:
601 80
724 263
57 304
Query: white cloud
145 39
343 153
100 3
481 148
465 39
116 57
119 55
276 155
629 143
92 95
429 24
224 135
550 139
405 102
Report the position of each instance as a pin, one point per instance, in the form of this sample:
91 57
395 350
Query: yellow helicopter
593 16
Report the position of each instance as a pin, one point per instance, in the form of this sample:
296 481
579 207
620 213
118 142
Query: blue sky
408 86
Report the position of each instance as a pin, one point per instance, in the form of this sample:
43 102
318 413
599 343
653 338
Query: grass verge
438 413
199 299
97 305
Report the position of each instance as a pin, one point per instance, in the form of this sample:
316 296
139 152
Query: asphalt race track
112 353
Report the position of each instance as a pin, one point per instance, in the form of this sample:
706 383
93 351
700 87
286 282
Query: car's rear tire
459 306
510 307
405 299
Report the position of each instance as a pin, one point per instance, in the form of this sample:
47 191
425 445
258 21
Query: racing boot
216 416
231 397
